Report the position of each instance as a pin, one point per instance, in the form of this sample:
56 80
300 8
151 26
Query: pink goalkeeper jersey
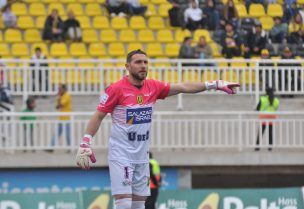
131 110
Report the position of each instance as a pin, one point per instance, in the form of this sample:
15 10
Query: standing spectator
9 18
64 104
53 27
134 8
267 104
186 51
116 7
72 28
296 30
255 41
39 71
231 42
193 17
231 13
155 183
28 126
278 32
212 16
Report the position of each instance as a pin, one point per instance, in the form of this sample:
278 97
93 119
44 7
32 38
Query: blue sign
66 180
139 115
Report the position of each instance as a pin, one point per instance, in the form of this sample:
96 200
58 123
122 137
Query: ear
127 65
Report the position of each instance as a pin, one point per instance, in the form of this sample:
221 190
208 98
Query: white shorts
129 178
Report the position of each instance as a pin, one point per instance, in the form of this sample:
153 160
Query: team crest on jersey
140 99
104 98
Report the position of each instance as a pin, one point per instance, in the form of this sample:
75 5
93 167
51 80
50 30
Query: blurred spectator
5 95
39 71
28 126
53 27
231 13
193 17
203 50
290 10
278 32
211 15
116 7
175 14
266 72
3 3
255 41
296 30
72 29
231 42
64 104
134 8
186 51
301 11
9 18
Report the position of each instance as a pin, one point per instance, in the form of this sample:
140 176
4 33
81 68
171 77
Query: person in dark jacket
53 27
72 28
255 41
231 42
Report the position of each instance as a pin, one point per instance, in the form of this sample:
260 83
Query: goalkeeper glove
221 85
85 153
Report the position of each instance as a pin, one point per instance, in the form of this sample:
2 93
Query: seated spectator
278 32
186 51
53 27
231 13
255 41
9 18
296 30
212 16
231 42
72 28
116 7
175 14
290 10
134 8
193 17
203 50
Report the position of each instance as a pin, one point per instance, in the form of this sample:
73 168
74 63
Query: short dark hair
130 54
29 101
37 49
187 38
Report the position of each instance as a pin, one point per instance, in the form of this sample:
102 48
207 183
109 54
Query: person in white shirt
9 18
193 17
134 8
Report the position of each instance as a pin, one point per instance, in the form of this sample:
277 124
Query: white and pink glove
85 153
221 85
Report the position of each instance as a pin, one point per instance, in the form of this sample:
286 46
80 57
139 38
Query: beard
139 76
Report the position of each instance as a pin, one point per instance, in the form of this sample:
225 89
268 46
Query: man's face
202 41
138 67
38 53
287 53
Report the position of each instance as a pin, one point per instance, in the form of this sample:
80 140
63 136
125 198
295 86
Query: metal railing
170 130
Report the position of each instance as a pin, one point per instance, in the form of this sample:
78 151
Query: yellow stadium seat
267 22
1 37
97 49
237 62
163 9
201 32
20 49
134 46
86 64
89 35
275 10
86 1
181 34
42 46
151 10
37 9
4 49
242 11
143 2
119 23
146 35
101 1
76 8
57 6
68 1
101 22
93 9
172 49
59 49
13 35
215 49
31 1
49 1
108 35
1 23
127 35
40 21
78 49
158 1
84 21
156 22
116 49
32 36
164 36
256 10
137 22
155 50
19 9
25 22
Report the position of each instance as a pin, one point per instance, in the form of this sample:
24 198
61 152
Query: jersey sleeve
163 89
108 100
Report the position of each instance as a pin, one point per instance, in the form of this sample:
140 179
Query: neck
135 81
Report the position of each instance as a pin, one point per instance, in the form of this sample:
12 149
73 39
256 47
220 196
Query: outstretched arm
95 122
190 87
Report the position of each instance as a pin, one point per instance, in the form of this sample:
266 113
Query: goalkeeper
130 102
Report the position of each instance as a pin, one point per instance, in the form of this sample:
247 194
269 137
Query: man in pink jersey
130 102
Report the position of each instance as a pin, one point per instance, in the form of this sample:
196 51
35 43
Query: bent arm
95 122
186 88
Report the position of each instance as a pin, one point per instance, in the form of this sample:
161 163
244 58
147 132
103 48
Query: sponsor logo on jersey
139 115
104 98
139 99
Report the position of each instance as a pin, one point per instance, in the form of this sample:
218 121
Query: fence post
25 81
179 96
240 132
257 82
